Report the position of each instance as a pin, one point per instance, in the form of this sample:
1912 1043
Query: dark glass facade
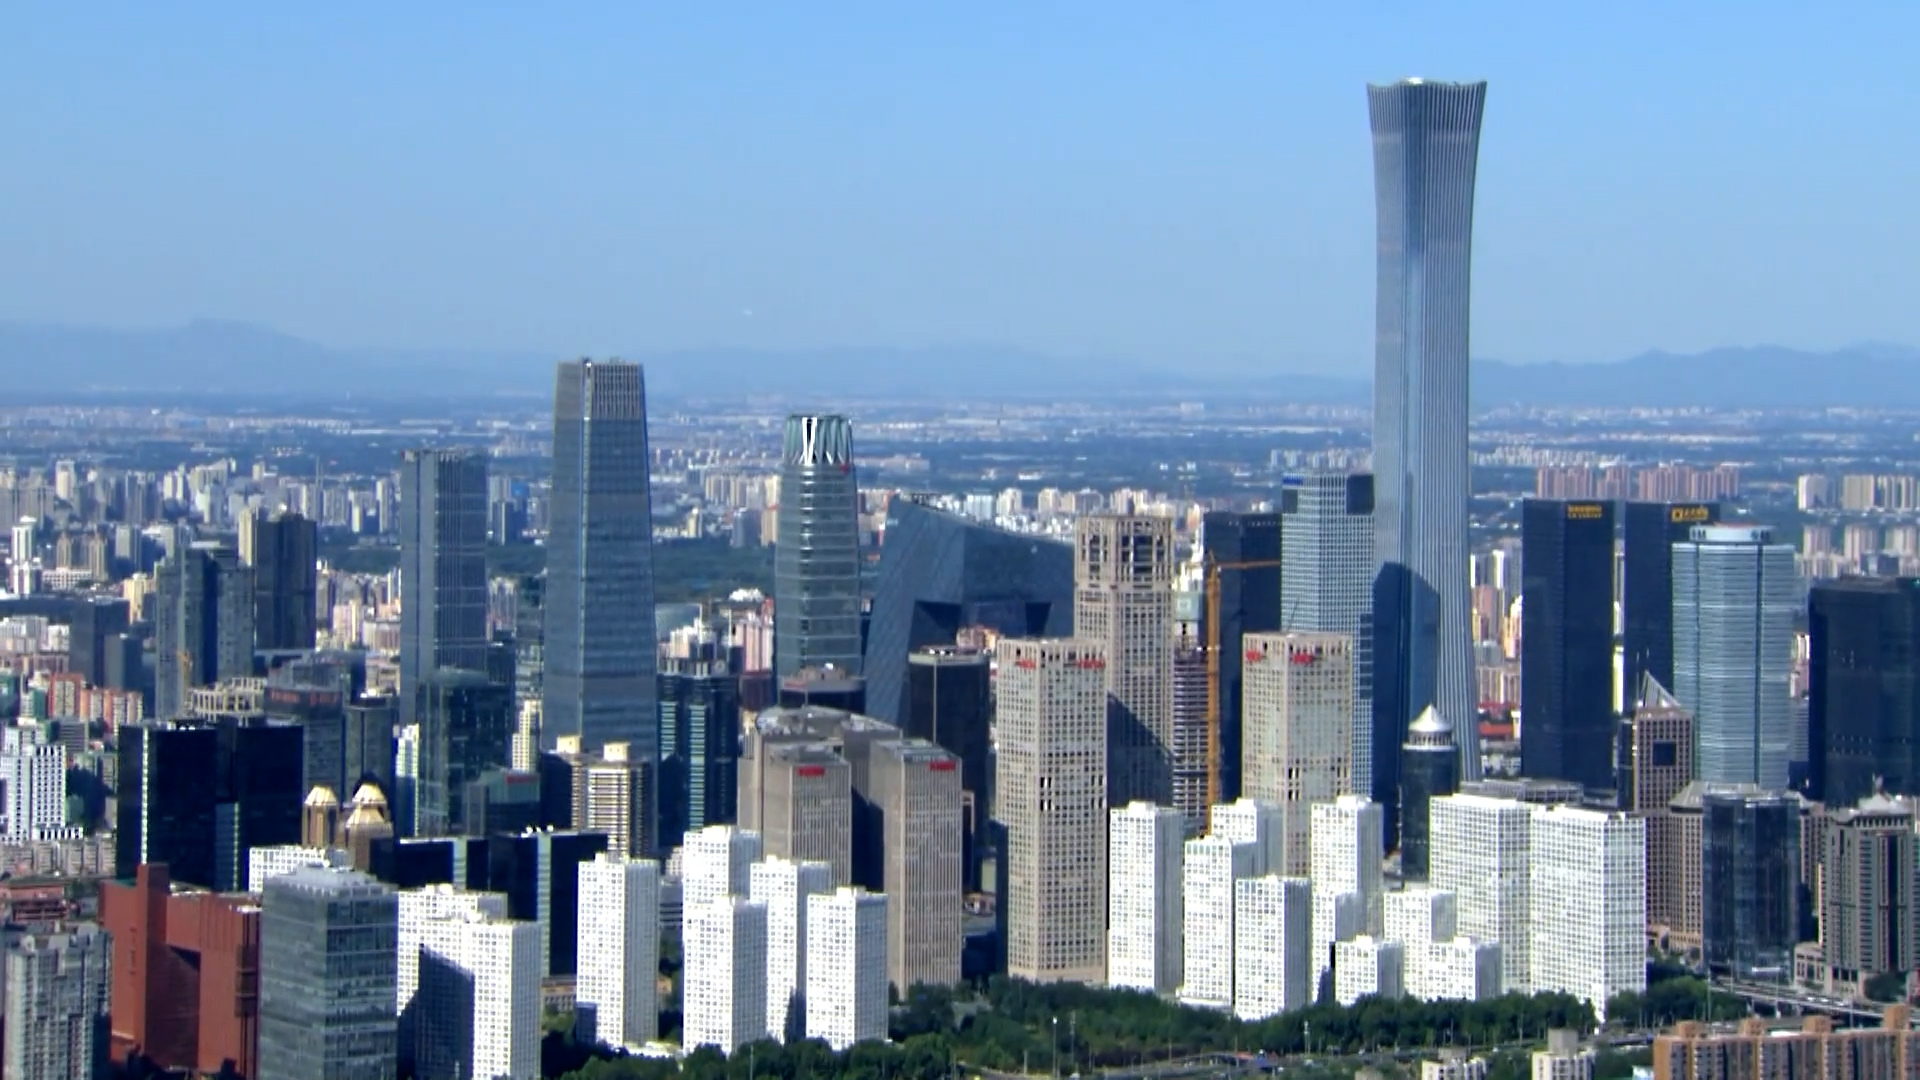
816 562
1426 147
1429 770
1750 883
283 550
198 797
1863 711
466 729
941 573
1249 604
700 747
203 624
540 875
1648 533
1566 634
329 969
598 639
443 567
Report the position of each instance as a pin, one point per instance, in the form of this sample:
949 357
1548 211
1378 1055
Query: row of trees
1011 1026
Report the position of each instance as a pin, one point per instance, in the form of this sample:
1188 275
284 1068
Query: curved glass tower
1426 143
816 558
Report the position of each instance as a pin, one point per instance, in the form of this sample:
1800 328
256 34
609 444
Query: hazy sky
1182 183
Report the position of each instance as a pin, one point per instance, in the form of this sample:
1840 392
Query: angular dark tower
1566 635
598 641
1430 769
1246 548
282 549
1648 533
816 561
1426 145
1863 713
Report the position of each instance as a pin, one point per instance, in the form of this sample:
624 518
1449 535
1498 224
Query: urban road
1226 1066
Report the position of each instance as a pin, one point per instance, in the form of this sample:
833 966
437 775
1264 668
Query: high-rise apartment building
476 1011
1211 868
33 786
1563 1058
1694 1051
443 567
717 861
1587 906
941 573
1566 635
1145 849
1481 854
1297 732
1368 966
1123 602
1863 711
1326 582
418 908
1348 884
1647 535
724 980
283 551
816 578
611 794
329 943
1051 804
785 887
1426 144
616 993
1869 918
914 787
846 967
1735 597
1750 882
1243 551
55 1004
1272 946
598 632
202 623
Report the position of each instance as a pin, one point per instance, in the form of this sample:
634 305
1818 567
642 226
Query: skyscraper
699 747
1735 595
597 631
55 1004
619 966
466 728
1429 770
199 796
1864 707
1750 882
1123 601
1145 848
203 624
1299 703
1245 552
846 981
1326 582
1051 720
724 991
1586 897
283 550
329 948
816 570
1566 636
914 787
443 567
941 573
1426 145
1646 587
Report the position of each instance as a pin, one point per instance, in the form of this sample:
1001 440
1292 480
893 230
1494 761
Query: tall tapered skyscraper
598 635
1426 143
816 560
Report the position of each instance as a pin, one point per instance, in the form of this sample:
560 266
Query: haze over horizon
1082 180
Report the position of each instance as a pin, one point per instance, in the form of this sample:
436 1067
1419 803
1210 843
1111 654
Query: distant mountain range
48 362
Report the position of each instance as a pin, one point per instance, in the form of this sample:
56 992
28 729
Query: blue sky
1184 184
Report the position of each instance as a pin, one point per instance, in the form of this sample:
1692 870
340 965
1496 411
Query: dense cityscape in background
607 735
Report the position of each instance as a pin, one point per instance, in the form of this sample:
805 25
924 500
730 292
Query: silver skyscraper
1326 582
1426 142
598 609
816 561
1735 595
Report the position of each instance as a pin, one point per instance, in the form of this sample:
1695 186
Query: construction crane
1212 572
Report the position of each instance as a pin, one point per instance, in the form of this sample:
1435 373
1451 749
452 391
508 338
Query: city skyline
1645 158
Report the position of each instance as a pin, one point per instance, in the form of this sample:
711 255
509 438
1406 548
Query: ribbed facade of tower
1735 596
816 568
1426 144
1123 600
598 632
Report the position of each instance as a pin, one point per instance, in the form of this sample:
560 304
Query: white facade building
846 986
716 862
419 910
724 980
1145 859
1211 868
784 886
477 1009
276 859
1272 946
1454 1064
34 775
1564 1058
1479 853
1257 822
1367 967
616 991
1588 904
1347 861
1463 970
1297 734
1419 918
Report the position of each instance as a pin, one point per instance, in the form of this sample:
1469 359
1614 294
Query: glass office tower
816 567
